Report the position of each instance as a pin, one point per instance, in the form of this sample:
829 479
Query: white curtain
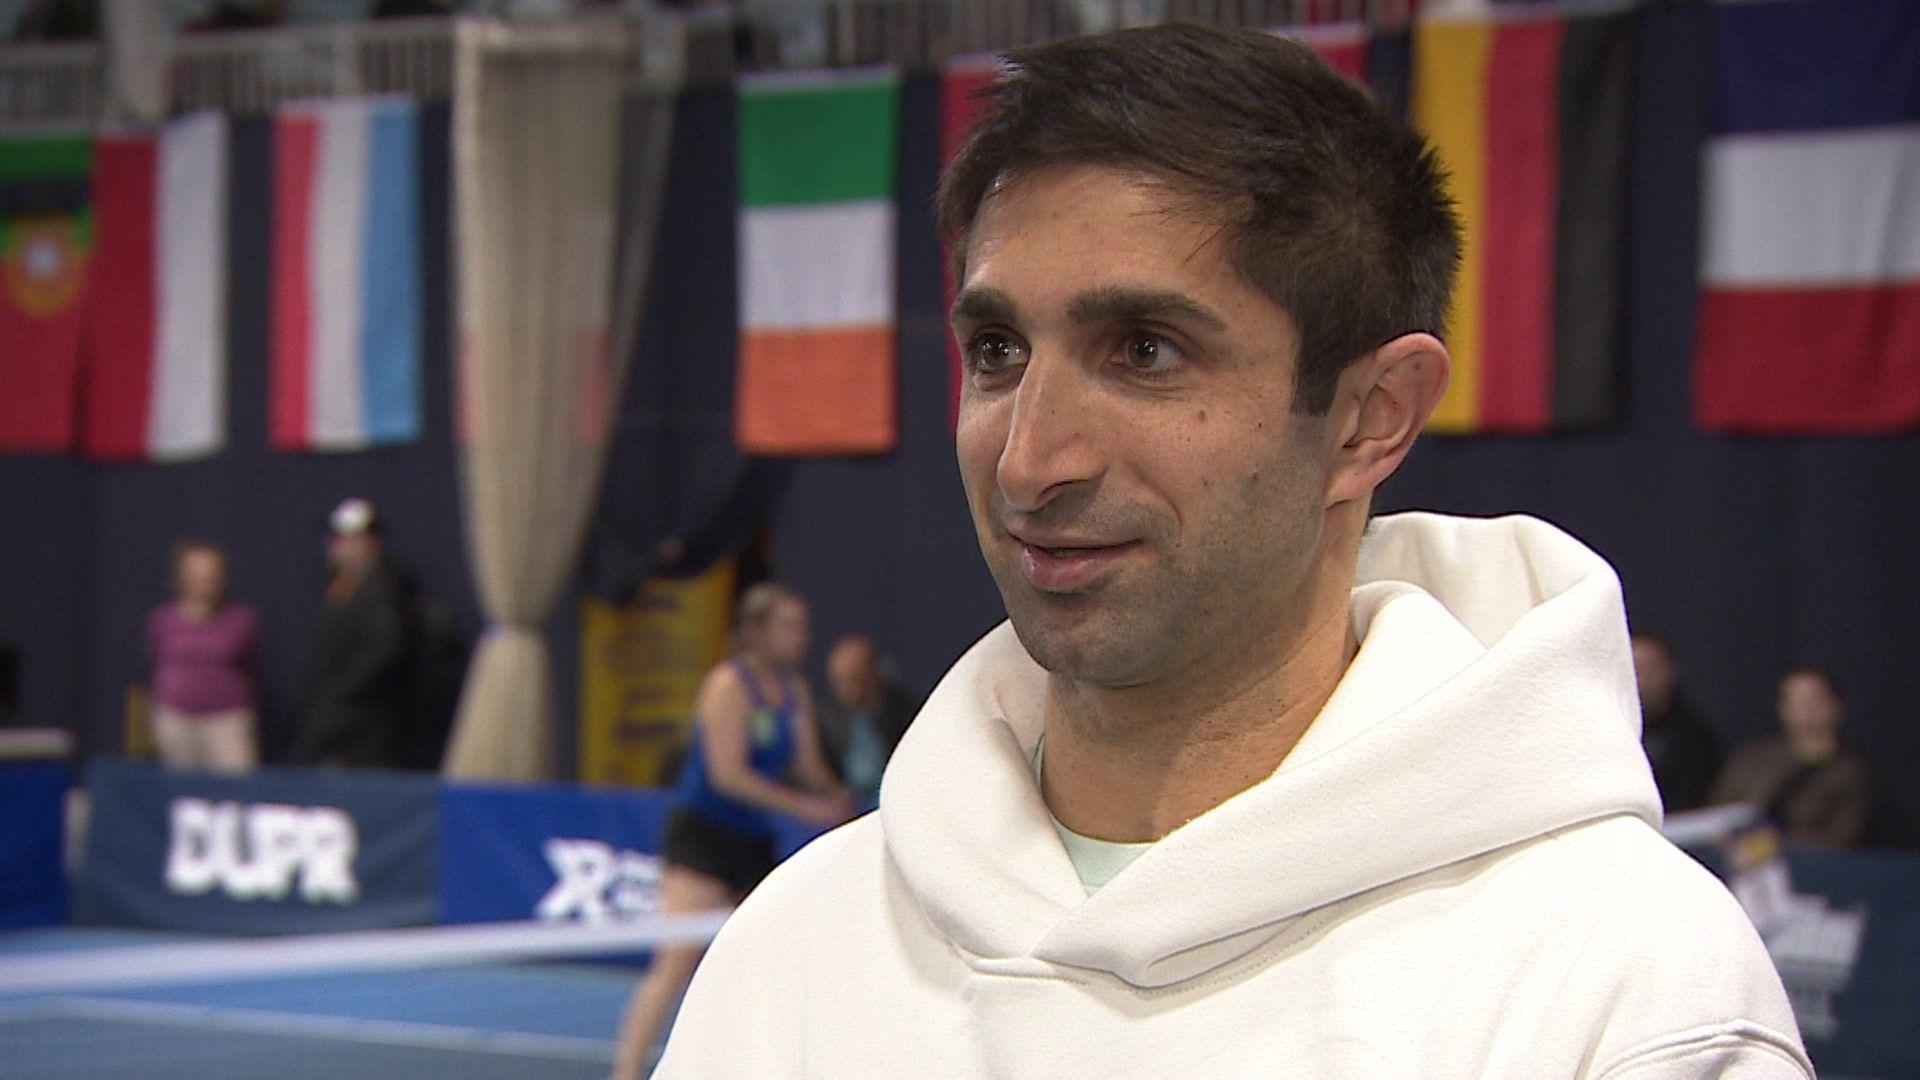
550 229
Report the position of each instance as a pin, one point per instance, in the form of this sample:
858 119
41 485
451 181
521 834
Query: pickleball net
484 1002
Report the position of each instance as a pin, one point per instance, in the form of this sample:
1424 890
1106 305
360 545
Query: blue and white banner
559 853
555 853
277 851
1843 927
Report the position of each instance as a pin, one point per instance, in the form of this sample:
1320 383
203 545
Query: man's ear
1379 408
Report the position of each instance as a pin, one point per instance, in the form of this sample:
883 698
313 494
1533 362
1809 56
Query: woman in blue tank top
755 753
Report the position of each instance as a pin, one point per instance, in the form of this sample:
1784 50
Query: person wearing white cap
353 697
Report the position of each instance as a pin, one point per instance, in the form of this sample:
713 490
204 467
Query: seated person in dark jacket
354 697
1805 780
1680 744
864 717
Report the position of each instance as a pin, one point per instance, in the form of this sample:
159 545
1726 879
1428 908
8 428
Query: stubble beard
1190 607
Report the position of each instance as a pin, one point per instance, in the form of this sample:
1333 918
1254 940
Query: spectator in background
865 717
354 697
1804 780
203 649
755 753
1680 744
57 20
239 15
411 9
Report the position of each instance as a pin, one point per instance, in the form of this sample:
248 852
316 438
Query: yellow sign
640 667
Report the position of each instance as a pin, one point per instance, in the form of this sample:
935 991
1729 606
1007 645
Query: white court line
371 950
339 1028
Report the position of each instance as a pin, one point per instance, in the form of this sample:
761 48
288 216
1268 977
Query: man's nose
1052 443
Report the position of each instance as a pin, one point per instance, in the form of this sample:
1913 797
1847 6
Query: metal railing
251 71
50 85
775 34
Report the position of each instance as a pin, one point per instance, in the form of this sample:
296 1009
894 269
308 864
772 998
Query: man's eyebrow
981 304
1122 304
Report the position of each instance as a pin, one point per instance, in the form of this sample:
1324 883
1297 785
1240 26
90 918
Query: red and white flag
155 374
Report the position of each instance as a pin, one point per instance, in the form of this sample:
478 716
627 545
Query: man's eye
991 351
1150 354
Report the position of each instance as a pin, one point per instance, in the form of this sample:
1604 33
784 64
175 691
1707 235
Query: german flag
1531 117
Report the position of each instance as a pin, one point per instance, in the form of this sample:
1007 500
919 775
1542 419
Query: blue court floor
495 1022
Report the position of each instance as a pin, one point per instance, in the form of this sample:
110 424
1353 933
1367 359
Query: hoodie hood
1492 701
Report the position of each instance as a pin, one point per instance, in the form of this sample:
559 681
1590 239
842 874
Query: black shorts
709 848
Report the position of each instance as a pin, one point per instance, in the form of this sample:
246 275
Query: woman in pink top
203 649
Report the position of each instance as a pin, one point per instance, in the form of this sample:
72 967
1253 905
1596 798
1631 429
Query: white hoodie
1456 873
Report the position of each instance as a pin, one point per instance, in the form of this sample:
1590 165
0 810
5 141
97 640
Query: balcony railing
251 71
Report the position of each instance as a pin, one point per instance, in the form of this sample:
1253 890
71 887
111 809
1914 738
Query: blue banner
549 853
1843 927
33 810
276 851
558 852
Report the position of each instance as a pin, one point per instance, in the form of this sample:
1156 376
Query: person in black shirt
1681 745
354 697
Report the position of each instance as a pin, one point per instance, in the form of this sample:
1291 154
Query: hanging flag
1530 117
1390 68
155 340
46 235
346 274
1810 256
816 242
961 85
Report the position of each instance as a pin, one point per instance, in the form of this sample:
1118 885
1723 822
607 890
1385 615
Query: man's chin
1085 649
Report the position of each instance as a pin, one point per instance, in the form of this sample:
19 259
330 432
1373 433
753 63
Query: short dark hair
1338 210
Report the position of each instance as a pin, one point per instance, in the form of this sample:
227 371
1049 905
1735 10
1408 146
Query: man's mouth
1062 567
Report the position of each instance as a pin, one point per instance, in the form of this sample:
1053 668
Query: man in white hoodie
1246 786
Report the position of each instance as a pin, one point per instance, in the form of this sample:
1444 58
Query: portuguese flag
1530 116
816 248
46 237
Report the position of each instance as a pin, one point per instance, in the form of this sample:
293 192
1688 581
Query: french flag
346 274
155 367
1810 262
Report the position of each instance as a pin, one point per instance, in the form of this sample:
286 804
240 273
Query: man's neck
1137 763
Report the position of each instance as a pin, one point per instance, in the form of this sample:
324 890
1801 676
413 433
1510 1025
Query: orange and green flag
816 239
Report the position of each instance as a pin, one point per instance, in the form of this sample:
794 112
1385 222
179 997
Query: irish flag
816 248
1529 115
346 274
1810 259
156 333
